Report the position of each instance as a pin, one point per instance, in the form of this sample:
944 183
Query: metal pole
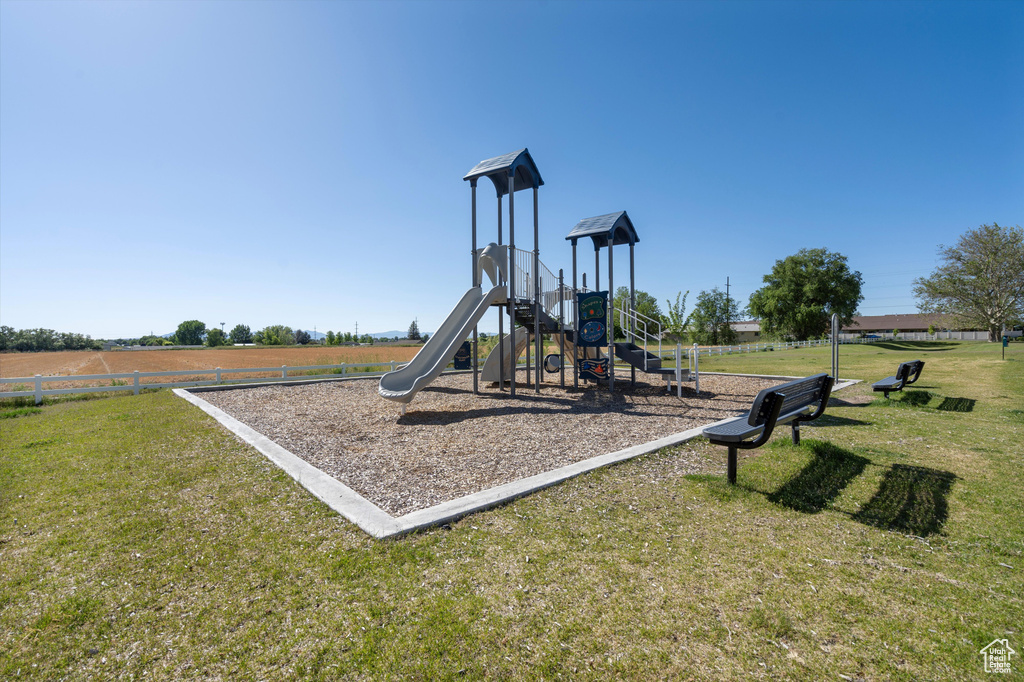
835 346
679 370
512 276
632 319
476 262
576 324
611 327
561 327
536 284
597 268
696 367
501 315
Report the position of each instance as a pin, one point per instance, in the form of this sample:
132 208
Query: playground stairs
636 356
525 316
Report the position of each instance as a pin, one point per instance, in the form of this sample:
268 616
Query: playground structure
530 294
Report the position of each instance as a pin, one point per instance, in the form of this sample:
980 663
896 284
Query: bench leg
732 465
796 433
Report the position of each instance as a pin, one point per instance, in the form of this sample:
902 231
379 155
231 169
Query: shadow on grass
905 399
909 500
922 346
821 480
830 420
957 405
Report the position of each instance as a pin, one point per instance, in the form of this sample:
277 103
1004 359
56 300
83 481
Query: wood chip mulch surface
451 443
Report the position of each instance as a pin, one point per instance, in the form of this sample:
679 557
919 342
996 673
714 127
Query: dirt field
119 361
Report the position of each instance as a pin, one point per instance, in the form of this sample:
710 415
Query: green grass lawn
138 539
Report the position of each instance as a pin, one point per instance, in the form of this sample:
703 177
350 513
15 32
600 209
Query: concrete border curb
379 524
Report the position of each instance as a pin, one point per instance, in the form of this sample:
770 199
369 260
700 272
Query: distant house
911 326
886 324
748 331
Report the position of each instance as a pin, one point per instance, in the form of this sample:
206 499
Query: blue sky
301 163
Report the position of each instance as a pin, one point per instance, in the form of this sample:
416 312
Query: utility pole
728 322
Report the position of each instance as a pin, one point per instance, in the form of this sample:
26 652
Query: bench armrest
774 406
826 392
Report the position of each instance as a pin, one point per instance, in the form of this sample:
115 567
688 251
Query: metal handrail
639 321
523 273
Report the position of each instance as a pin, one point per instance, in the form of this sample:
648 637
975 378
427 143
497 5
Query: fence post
343 368
39 388
218 375
136 380
284 371
392 365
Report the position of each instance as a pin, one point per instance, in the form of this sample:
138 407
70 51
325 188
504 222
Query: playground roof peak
610 228
499 168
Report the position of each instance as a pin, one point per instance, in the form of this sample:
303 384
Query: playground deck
452 443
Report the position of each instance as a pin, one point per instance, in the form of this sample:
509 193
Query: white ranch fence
133 381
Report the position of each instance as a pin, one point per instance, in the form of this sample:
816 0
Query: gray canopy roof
613 228
498 168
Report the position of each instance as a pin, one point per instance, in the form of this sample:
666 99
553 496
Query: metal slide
403 384
491 366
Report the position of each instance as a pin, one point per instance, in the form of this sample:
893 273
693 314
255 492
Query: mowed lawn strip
138 538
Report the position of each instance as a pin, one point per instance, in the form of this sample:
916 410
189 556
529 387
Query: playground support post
476 261
561 327
611 319
576 322
679 370
696 367
536 286
501 315
632 318
512 278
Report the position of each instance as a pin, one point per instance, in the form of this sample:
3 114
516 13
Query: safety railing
640 329
546 281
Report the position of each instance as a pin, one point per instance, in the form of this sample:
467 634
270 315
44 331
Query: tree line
29 340
195 333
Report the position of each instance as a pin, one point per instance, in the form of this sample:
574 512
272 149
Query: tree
215 337
302 337
645 305
241 334
426 337
709 321
414 332
330 338
677 320
980 282
803 291
276 335
190 333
